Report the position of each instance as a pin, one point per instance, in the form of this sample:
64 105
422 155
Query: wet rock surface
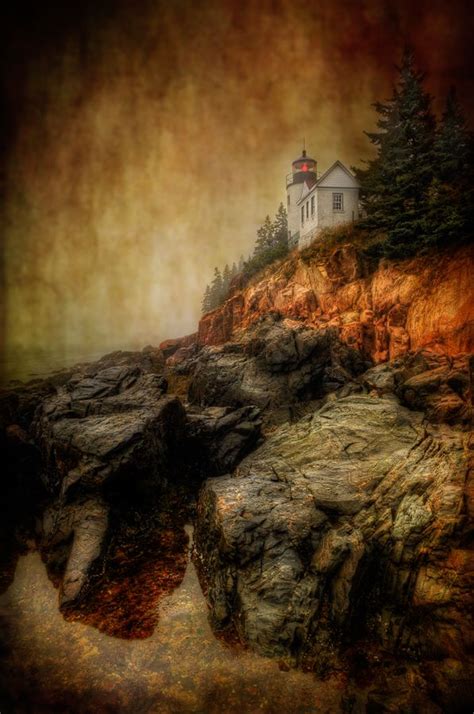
108 429
217 438
101 441
334 530
344 526
276 364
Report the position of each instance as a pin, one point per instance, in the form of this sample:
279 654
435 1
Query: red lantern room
304 169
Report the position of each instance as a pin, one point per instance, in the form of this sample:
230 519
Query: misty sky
148 140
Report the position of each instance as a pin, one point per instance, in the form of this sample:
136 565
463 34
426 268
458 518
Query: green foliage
215 293
450 214
394 185
271 244
206 304
417 192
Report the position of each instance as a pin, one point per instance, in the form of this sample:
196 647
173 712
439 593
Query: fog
148 140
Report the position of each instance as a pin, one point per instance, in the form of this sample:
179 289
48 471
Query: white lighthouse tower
303 173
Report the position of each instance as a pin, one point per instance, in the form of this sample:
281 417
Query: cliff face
349 529
401 306
334 527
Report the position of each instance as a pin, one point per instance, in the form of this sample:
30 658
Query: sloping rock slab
217 438
73 542
111 427
115 423
276 363
348 517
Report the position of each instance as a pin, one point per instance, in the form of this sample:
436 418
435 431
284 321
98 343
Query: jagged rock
108 427
217 438
19 401
381 378
345 522
437 384
276 364
383 312
73 540
115 424
169 347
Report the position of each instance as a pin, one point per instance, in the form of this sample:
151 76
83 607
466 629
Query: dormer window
337 201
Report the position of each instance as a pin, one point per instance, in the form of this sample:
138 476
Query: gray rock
331 522
275 365
74 538
103 427
381 378
95 428
439 385
217 438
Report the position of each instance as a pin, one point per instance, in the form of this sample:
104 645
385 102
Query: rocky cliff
318 431
384 311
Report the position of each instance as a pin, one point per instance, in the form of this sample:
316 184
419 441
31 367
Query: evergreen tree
395 185
216 289
206 300
264 237
233 271
271 243
280 230
451 197
226 278
453 142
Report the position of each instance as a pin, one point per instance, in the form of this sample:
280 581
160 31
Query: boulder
116 423
169 347
342 526
73 543
110 429
276 364
217 438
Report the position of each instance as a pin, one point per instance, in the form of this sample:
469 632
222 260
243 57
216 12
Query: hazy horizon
146 147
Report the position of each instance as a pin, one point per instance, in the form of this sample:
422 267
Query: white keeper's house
319 201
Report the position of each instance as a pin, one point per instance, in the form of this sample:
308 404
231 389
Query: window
307 209
312 205
302 214
337 202
288 199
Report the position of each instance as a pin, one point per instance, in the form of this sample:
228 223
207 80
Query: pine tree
453 142
271 243
280 231
395 185
206 300
226 278
216 289
264 237
451 196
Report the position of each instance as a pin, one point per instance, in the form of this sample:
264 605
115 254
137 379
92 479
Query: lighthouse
302 178
315 203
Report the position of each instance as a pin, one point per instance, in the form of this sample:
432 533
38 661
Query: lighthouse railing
290 177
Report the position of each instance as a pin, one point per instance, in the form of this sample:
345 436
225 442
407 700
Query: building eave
344 168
